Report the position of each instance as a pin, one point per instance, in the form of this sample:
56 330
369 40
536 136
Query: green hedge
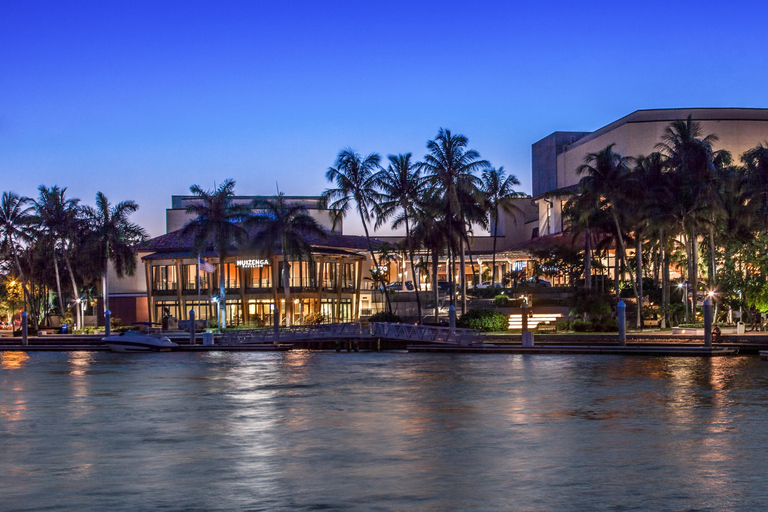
385 316
483 320
502 301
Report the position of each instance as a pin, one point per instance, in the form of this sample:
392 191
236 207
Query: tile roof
178 244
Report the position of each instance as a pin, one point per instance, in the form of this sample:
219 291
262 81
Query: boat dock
377 337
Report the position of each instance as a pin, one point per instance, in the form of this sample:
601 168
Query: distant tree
401 191
113 237
59 218
15 226
498 194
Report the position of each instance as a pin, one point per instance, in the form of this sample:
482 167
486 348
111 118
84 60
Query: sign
252 263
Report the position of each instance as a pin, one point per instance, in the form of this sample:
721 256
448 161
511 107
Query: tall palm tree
289 228
217 226
605 182
498 196
691 160
59 217
356 179
401 191
450 168
113 237
15 220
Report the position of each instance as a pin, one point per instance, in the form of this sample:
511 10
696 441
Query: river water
387 431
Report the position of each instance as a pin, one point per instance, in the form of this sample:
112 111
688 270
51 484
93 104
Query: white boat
136 341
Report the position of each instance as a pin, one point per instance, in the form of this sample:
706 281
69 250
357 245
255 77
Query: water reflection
357 431
13 360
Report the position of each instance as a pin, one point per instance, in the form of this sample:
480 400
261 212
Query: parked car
487 284
398 286
535 282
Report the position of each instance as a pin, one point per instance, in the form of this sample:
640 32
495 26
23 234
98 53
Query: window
164 278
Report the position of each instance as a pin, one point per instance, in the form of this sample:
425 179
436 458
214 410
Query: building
557 157
172 279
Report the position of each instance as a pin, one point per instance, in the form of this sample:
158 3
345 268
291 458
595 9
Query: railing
406 332
427 334
301 332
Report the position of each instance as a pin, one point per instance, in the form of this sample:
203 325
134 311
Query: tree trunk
493 257
287 290
74 290
463 278
223 295
639 265
616 271
664 278
587 260
22 277
373 256
624 253
435 291
416 285
62 304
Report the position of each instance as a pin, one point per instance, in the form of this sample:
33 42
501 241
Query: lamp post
215 300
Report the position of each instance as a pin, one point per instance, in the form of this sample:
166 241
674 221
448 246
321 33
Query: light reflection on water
310 431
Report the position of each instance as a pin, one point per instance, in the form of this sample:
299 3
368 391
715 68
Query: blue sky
140 100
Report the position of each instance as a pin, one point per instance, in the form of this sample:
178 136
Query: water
365 431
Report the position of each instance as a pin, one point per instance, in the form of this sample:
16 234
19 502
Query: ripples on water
366 431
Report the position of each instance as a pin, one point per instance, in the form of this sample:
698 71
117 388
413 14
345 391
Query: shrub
606 325
483 320
580 325
385 316
502 301
563 325
314 319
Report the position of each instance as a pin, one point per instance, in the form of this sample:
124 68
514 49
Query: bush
385 316
314 319
502 301
563 325
580 325
483 320
606 325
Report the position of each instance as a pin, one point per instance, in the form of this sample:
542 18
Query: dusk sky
140 100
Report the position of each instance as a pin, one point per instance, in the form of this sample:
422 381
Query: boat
137 341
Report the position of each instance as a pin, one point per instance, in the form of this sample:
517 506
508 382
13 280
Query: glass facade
254 302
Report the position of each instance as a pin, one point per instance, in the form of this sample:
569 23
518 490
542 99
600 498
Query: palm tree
356 179
691 160
59 218
498 194
606 175
15 220
217 226
450 168
113 237
287 227
401 191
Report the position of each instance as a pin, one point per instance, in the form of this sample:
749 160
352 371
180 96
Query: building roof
176 244
668 115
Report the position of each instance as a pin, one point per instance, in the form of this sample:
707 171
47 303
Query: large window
348 276
190 278
260 277
164 278
232 279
